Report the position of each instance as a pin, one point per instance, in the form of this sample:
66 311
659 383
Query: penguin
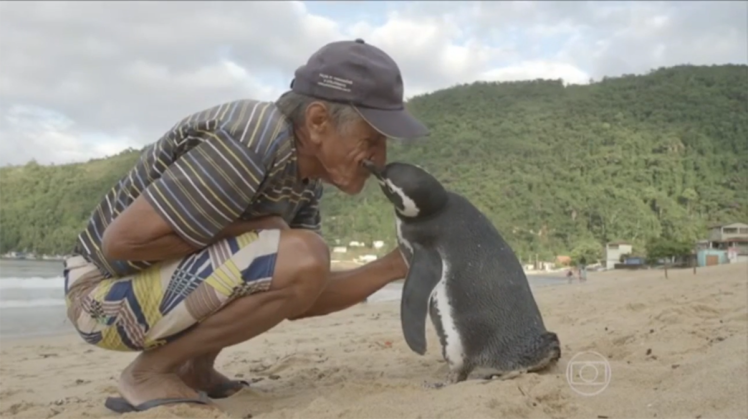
466 278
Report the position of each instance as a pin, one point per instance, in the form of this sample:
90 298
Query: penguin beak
370 166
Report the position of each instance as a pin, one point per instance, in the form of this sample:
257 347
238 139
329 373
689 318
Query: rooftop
727 224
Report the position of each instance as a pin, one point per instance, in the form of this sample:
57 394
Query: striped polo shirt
232 161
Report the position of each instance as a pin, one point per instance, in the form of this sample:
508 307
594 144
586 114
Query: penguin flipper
424 273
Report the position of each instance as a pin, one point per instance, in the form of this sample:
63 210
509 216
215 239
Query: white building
614 251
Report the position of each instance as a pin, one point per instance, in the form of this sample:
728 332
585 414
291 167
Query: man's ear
318 121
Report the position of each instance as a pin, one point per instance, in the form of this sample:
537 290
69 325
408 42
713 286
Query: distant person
582 269
213 237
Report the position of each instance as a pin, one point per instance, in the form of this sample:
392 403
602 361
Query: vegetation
558 169
664 248
667 249
587 251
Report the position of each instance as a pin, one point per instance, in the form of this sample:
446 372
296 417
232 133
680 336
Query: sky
80 80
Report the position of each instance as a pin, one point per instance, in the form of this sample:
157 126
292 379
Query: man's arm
348 288
200 195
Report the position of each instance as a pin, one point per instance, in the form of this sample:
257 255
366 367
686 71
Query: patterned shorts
158 304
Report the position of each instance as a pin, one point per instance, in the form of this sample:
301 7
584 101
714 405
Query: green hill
554 167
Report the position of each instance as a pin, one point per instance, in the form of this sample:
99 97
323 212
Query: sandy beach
676 348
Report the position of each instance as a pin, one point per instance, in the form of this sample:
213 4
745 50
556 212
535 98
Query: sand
677 348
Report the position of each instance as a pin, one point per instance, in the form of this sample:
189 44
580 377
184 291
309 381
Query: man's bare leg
301 272
343 290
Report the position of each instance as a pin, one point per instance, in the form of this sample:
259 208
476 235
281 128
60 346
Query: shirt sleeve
308 217
207 188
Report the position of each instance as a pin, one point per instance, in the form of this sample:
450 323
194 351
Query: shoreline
389 293
553 281
70 330
30 322
42 335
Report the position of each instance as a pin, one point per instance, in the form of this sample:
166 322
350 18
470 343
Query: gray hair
293 105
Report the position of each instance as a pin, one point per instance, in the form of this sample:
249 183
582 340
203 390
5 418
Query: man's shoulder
246 120
258 125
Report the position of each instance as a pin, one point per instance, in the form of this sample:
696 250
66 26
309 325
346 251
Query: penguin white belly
454 352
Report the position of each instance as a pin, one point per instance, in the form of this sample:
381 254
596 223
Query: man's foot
139 385
202 376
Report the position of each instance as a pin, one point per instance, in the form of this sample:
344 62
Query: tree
586 252
688 196
668 249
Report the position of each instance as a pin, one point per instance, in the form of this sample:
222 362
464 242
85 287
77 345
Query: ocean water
32 301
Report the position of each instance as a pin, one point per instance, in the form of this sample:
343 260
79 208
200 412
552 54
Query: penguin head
414 192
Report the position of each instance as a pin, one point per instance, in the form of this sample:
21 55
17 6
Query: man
582 269
212 238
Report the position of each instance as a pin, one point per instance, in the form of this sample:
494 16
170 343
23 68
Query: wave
13 288
41 302
32 283
30 292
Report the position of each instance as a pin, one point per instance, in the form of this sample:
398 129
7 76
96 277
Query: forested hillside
554 167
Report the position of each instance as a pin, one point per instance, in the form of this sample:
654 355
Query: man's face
341 150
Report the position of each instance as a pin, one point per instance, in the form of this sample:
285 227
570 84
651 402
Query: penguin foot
502 375
453 377
434 386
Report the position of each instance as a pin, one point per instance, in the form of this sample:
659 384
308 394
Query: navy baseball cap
365 77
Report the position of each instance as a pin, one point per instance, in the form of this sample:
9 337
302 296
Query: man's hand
269 222
396 263
239 227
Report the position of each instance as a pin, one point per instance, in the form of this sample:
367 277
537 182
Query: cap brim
398 124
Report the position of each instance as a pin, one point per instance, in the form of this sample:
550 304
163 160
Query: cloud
85 79
30 129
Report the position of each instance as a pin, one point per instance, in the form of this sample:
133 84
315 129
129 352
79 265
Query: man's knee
303 264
